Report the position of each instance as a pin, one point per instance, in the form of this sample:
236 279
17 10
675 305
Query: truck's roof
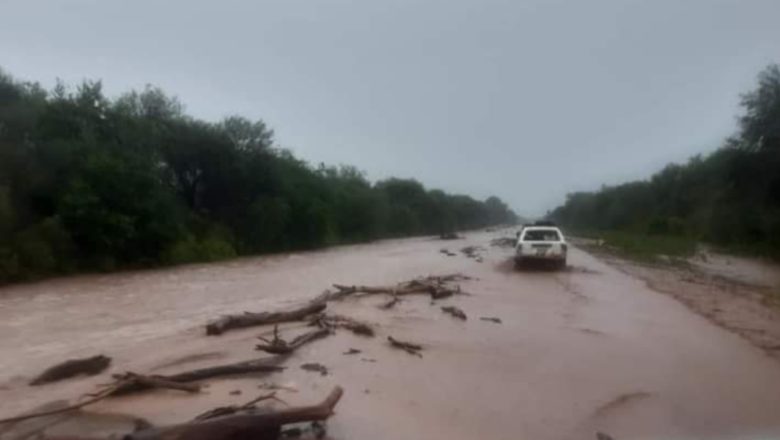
541 228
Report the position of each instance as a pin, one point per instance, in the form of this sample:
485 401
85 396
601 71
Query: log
333 322
124 384
411 348
248 319
265 365
74 367
348 290
95 398
435 285
491 319
255 426
158 382
232 409
454 311
280 346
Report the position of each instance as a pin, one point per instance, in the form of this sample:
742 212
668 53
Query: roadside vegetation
729 198
641 246
92 183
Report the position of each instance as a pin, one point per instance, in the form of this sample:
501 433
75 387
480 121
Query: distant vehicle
542 244
536 223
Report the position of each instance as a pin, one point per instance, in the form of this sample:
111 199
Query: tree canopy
92 183
730 197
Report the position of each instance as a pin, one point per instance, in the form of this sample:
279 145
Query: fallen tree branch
491 319
333 322
454 311
232 409
411 348
248 319
157 382
265 365
97 397
257 426
124 383
280 346
437 286
74 367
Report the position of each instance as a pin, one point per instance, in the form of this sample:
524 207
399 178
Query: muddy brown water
578 351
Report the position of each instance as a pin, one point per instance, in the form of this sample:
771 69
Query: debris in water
504 242
278 345
232 409
315 367
411 348
491 319
332 322
454 311
75 367
352 351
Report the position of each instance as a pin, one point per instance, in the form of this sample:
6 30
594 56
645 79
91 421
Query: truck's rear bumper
535 257
540 256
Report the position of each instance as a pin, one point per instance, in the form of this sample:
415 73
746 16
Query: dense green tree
730 197
89 183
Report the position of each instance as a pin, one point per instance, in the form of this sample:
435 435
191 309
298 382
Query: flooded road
586 350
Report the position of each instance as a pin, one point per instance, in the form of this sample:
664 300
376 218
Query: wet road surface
579 351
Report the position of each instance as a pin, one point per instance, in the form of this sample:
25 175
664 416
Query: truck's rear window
541 235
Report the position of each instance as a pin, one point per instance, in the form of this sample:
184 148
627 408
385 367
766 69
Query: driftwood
471 251
156 382
92 399
436 286
390 304
411 348
332 322
255 426
248 319
232 409
454 311
87 366
132 382
491 319
315 367
280 346
123 384
265 365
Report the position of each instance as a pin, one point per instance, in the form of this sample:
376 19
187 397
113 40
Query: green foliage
192 250
649 247
90 183
730 198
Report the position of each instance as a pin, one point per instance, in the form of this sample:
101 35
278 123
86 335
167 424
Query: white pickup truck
541 243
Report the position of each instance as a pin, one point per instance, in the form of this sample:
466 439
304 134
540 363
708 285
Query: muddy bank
738 294
565 354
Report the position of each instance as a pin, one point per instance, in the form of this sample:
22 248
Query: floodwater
581 351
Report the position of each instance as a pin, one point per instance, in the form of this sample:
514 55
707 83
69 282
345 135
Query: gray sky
527 100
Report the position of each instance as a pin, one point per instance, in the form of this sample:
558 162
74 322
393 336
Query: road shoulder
749 309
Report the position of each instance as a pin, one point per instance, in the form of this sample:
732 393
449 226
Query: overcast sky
527 100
